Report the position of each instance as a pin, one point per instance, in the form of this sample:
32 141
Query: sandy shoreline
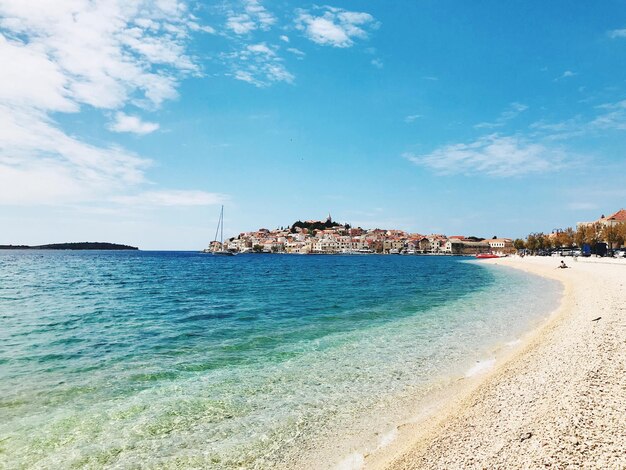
557 401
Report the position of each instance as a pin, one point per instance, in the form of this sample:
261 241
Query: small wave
480 367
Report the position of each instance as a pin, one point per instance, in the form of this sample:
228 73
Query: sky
133 122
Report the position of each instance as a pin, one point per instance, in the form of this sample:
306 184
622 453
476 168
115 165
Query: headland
71 246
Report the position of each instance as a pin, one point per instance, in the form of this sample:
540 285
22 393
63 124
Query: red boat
487 256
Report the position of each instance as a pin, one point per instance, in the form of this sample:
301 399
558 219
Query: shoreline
530 409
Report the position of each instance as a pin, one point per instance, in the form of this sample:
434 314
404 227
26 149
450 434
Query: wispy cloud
250 16
377 63
613 118
334 26
513 110
296 52
171 198
492 155
250 21
133 124
566 74
608 116
562 130
411 118
259 65
617 33
40 164
65 55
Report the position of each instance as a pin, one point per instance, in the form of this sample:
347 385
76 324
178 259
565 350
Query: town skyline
332 237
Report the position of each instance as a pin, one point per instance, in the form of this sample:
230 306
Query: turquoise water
178 360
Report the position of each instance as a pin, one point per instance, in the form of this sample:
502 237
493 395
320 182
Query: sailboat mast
222 233
217 229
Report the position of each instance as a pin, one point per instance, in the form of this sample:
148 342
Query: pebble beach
557 402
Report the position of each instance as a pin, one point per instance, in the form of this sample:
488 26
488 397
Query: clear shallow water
169 359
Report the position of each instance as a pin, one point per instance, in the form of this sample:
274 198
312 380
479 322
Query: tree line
585 234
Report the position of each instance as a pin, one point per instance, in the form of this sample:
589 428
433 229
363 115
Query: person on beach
563 265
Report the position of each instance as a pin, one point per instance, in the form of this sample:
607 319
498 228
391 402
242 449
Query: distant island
71 246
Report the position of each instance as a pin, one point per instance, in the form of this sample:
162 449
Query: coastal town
330 237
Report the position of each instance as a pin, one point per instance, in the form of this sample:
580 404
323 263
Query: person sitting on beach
563 265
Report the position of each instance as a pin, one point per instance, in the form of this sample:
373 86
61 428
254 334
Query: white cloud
261 49
617 33
240 24
566 74
411 118
514 109
284 38
40 164
253 16
103 52
296 52
377 63
335 27
68 54
554 131
614 118
259 65
126 123
171 198
492 155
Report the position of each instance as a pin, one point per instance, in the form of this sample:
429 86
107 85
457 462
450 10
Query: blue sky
134 123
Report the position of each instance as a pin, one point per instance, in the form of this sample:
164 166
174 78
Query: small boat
220 230
487 256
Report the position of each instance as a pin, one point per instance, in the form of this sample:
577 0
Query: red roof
619 216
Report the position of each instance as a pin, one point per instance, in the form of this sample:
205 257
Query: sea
145 359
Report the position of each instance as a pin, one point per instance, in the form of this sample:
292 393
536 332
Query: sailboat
220 230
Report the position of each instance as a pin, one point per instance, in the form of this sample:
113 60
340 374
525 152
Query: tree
257 248
532 242
544 241
622 233
563 238
580 236
594 234
568 236
537 241
613 235
519 244
557 240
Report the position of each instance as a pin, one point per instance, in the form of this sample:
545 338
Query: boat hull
487 256
223 253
